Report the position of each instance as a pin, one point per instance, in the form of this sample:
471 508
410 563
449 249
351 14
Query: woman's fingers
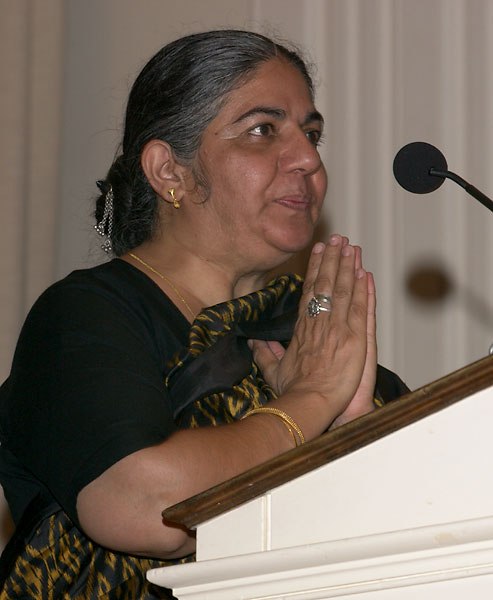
357 315
334 270
358 261
322 268
329 266
343 288
362 401
313 267
267 356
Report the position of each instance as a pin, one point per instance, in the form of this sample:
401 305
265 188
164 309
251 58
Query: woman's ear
162 170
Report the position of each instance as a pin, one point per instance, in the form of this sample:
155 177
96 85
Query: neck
193 281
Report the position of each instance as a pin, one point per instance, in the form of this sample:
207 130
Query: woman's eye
315 136
264 129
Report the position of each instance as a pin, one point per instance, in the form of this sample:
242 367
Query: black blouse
87 383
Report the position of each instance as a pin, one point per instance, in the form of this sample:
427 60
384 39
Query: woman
120 370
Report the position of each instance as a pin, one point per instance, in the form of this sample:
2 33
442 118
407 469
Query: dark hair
177 94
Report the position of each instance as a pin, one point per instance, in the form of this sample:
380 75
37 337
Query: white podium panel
439 562
437 470
409 515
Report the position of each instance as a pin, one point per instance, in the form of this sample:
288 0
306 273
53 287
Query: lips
294 201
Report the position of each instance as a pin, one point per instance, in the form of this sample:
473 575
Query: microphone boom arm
470 189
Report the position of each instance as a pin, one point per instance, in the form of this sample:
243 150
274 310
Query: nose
299 154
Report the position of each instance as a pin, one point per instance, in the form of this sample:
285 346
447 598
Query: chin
294 241
290 253
283 243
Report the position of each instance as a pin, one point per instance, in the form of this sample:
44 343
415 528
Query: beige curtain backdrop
31 58
388 72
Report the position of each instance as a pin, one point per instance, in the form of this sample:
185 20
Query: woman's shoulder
109 277
115 284
112 299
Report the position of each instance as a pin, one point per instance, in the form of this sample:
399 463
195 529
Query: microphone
421 168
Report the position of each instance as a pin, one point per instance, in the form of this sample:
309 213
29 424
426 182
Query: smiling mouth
295 202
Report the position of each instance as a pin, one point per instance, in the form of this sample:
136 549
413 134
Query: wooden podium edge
408 409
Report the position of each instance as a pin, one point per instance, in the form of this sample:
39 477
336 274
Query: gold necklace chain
173 287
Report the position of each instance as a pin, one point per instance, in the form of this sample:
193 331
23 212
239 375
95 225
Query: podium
397 504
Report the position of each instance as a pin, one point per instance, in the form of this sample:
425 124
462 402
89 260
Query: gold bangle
285 418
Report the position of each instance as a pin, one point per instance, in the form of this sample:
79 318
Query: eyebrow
279 114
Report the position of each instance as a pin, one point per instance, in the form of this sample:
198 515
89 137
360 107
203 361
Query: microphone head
412 166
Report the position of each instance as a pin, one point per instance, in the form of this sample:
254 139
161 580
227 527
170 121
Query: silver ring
319 303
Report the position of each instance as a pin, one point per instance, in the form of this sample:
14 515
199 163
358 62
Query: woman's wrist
310 410
290 424
351 415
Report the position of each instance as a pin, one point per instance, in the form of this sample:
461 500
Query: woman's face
260 158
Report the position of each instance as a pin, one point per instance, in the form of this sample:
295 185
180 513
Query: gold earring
176 203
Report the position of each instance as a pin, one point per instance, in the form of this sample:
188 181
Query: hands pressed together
330 364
